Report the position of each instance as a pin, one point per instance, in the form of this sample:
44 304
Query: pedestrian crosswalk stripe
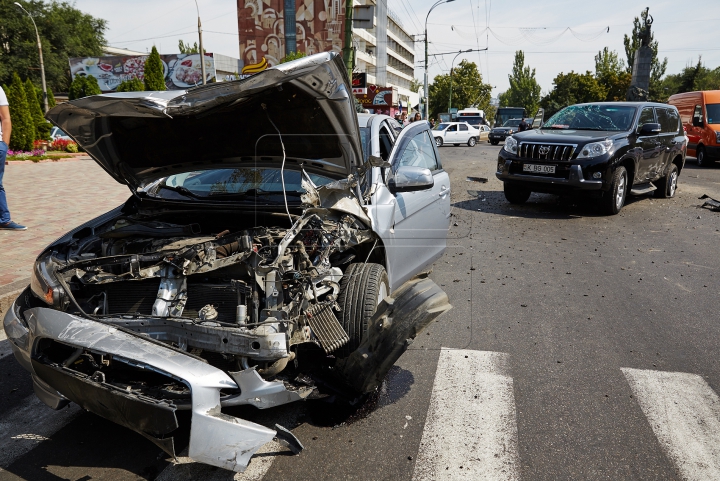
470 431
684 413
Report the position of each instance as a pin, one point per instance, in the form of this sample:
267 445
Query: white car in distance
455 133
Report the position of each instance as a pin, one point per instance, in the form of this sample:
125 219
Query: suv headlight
595 149
510 145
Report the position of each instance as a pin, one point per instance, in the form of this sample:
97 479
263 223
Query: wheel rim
673 183
438 142
382 293
620 196
700 157
472 142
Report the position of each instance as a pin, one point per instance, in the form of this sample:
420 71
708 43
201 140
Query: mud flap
391 330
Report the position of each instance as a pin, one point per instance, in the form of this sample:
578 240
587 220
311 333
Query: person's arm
6 123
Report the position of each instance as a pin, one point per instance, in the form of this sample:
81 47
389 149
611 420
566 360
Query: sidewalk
50 198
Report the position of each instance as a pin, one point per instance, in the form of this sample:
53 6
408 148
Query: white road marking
471 430
29 424
684 413
186 469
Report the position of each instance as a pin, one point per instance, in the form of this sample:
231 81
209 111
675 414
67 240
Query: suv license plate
539 169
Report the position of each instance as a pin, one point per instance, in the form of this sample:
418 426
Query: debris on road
482 180
712 204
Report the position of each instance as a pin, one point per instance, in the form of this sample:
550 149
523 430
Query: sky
556 35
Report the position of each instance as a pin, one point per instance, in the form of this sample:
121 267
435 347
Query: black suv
607 149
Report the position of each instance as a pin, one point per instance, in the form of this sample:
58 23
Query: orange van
700 116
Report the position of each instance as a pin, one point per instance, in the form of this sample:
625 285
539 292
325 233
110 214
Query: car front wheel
516 194
615 198
438 141
472 142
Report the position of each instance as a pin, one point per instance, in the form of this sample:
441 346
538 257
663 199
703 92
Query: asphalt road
587 350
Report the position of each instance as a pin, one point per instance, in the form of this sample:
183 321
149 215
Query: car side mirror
650 129
410 179
376 161
697 122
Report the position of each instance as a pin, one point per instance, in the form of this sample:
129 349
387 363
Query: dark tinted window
420 152
668 120
713 113
463 127
386 142
646 117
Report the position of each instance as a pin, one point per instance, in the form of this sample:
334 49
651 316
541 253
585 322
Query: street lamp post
427 106
202 52
452 64
42 64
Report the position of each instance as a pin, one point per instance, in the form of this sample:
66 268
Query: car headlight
595 149
44 285
510 145
510 131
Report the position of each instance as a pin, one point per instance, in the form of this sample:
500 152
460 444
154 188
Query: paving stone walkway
50 198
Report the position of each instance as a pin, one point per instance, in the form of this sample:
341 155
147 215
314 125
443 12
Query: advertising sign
318 26
359 83
381 100
181 71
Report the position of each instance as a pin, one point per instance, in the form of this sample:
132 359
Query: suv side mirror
410 179
697 122
650 129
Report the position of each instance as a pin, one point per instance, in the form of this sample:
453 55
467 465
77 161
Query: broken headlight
43 283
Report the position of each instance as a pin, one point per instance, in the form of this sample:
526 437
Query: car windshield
232 182
441 126
713 113
592 117
512 123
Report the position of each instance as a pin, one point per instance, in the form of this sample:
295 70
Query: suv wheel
362 288
516 194
667 185
472 142
494 142
615 198
701 159
438 141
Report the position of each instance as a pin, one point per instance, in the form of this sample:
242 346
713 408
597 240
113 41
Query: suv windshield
713 113
232 182
592 117
512 123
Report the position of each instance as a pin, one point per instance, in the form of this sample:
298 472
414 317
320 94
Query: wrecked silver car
274 249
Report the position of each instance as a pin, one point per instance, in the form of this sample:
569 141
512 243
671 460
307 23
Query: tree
154 74
23 126
188 49
132 85
65 32
292 56
633 43
468 89
612 75
524 90
415 84
692 78
83 87
572 88
51 98
42 126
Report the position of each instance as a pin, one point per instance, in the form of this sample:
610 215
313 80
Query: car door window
667 118
646 117
452 128
386 142
463 127
420 152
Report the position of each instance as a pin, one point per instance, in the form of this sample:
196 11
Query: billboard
319 28
181 71
379 100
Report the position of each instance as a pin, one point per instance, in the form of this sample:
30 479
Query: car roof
365 120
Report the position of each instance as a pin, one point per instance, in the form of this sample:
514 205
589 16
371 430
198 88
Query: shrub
154 74
23 125
72 147
83 87
132 85
42 126
59 144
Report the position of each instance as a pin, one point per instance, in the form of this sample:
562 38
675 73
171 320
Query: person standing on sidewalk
5 129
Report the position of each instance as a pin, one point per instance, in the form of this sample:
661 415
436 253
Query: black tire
666 186
472 142
614 200
516 194
700 155
360 293
494 142
438 141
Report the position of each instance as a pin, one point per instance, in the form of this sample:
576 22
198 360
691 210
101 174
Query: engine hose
277 366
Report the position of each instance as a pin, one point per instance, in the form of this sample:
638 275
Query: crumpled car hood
139 137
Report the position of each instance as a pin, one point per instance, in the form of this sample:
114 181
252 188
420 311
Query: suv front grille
540 151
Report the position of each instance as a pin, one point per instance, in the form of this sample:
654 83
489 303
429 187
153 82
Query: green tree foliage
611 74
468 90
132 85
154 74
633 43
415 84
64 31
83 87
572 88
42 126
292 56
524 90
188 49
23 125
692 78
51 99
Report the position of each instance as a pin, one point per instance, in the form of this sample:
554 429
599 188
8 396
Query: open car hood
139 137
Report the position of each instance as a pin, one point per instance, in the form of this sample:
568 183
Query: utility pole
290 26
42 64
202 52
427 105
348 52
